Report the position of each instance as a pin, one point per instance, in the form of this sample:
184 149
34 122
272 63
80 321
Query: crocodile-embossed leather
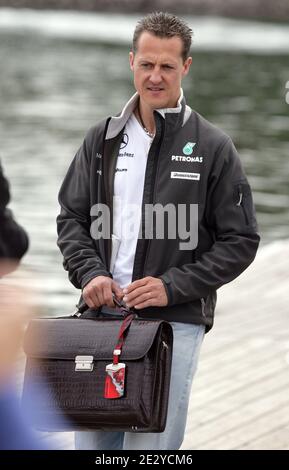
51 346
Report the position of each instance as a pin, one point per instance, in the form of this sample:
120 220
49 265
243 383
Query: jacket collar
179 115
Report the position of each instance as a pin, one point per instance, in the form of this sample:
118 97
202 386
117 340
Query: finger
136 284
88 300
98 294
148 303
117 290
129 298
107 296
95 295
144 297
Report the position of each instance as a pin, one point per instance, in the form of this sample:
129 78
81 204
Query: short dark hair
164 25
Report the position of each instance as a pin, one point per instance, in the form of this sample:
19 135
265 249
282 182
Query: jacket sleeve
81 259
230 218
13 238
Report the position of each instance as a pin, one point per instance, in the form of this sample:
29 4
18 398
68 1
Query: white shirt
128 193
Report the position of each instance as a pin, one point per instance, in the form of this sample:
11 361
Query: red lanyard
121 335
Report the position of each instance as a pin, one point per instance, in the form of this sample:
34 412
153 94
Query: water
61 72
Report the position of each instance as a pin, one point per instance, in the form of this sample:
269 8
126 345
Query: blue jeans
187 344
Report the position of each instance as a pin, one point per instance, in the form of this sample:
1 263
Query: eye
168 67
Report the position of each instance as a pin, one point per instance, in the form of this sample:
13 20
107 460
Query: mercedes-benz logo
124 141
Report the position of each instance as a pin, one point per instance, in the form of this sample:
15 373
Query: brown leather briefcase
71 361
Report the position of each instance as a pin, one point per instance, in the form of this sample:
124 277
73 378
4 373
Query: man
158 152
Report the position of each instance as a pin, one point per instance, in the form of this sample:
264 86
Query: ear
186 66
131 60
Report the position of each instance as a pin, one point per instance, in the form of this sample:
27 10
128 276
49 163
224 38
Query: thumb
117 290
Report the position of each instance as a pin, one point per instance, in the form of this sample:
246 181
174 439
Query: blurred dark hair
13 238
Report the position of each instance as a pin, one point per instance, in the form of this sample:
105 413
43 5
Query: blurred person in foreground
157 151
14 313
15 431
16 420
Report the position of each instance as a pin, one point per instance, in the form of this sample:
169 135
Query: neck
146 117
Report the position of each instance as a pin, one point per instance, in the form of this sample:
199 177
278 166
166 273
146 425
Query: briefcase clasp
84 363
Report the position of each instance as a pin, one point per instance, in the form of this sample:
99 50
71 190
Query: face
158 69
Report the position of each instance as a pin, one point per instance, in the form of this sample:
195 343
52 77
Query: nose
155 76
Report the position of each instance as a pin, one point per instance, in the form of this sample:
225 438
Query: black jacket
227 229
13 238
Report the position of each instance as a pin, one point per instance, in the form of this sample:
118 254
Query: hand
146 292
99 292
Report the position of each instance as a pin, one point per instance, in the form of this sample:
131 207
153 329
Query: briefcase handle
125 310
122 305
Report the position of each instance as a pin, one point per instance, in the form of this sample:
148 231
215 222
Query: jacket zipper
154 192
110 188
